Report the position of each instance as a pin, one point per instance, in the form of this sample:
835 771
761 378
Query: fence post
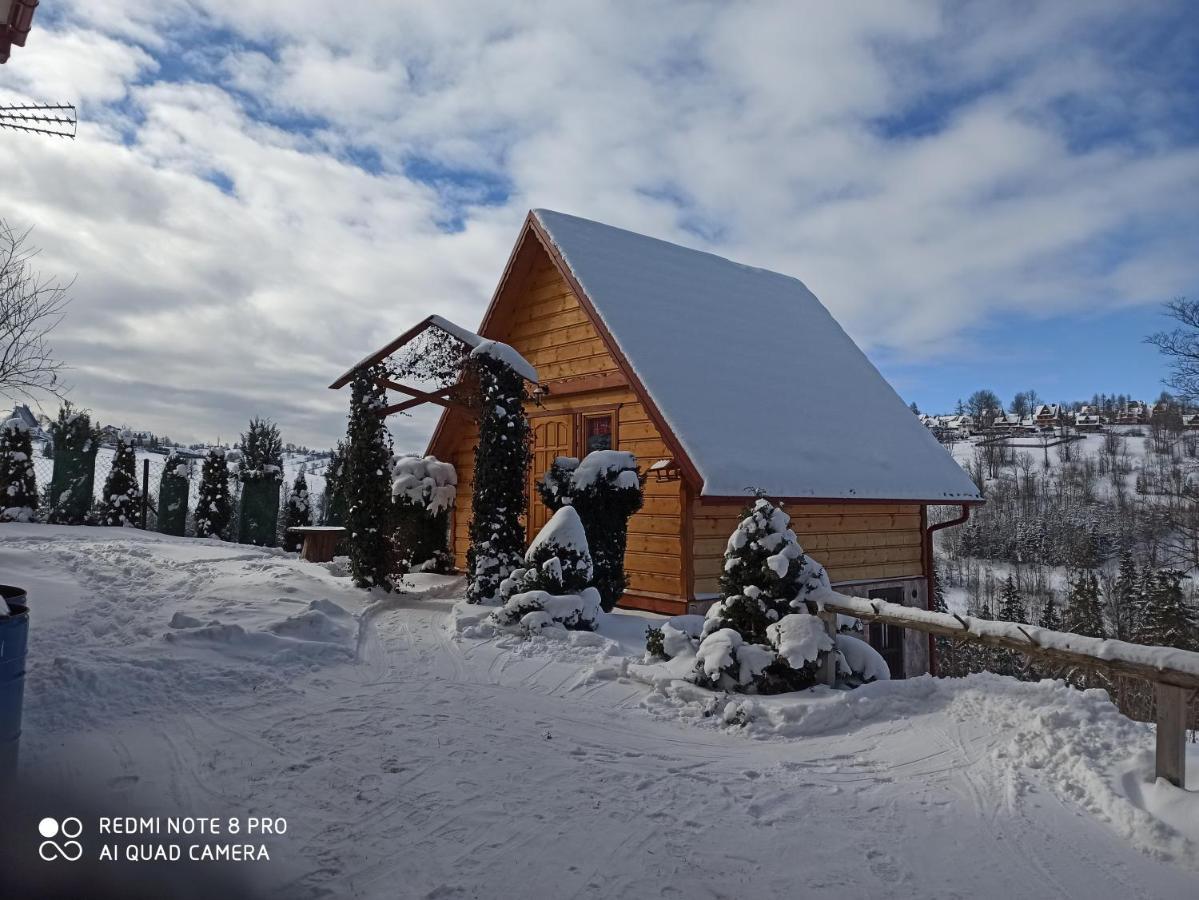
1171 703
829 674
145 491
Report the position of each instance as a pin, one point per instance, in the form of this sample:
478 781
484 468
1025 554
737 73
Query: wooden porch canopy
442 396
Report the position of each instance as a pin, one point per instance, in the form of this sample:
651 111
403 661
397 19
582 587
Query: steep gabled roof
759 384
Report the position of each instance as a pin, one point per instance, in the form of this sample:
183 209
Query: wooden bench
319 541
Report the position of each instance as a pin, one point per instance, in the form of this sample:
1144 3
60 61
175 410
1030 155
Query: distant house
23 414
1087 421
1132 413
1048 415
1190 421
1006 422
681 356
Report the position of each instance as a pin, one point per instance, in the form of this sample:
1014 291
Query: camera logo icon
69 849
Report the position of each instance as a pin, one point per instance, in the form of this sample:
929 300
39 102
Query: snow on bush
554 586
502 456
122 495
765 582
18 481
423 491
214 507
605 489
858 662
799 639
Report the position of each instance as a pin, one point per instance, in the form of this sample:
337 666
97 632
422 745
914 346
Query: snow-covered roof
758 382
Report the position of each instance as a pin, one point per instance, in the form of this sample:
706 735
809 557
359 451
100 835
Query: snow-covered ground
173 676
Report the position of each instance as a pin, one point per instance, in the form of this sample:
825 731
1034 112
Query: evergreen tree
763 560
1084 613
297 513
1049 615
1011 605
423 491
366 483
71 485
1168 620
1125 602
760 635
501 466
214 508
1011 609
260 474
18 479
951 661
605 490
173 488
554 585
335 495
122 496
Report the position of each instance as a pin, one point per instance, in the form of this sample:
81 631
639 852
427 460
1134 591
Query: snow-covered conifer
554 584
1050 618
297 512
75 445
423 490
334 503
214 508
1168 620
366 483
1084 613
260 473
760 637
122 497
501 467
605 490
173 488
18 479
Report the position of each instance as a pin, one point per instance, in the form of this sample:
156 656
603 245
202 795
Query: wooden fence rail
1174 673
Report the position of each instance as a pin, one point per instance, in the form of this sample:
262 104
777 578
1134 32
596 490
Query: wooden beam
1115 657
585 383
1171 703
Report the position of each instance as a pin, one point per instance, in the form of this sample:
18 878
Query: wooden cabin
719 378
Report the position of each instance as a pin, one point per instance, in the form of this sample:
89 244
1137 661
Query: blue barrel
14 634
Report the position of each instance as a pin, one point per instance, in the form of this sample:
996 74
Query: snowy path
420 765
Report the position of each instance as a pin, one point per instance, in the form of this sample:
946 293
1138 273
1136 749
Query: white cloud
759 130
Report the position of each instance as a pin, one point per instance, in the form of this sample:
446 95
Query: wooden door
553 436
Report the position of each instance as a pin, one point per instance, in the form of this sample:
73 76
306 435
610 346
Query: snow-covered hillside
173 676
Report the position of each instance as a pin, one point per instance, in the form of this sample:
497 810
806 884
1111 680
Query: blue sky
985 195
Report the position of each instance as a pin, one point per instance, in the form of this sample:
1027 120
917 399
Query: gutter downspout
932 576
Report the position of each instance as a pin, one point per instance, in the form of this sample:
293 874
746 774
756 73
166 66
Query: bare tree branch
31 306
1181 347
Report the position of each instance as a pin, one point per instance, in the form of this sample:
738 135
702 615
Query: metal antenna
56 119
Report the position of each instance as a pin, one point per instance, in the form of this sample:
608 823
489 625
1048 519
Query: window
597 432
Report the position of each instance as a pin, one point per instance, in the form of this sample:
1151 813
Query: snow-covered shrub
765 581
173 488
655 642
121 500
501 466
260 473
71 485
555 580
727 662
858 662
606 491
214 507
423 490
297 512
366 483
677 636
18 480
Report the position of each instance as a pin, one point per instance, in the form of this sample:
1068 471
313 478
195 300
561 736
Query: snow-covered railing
1174 673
